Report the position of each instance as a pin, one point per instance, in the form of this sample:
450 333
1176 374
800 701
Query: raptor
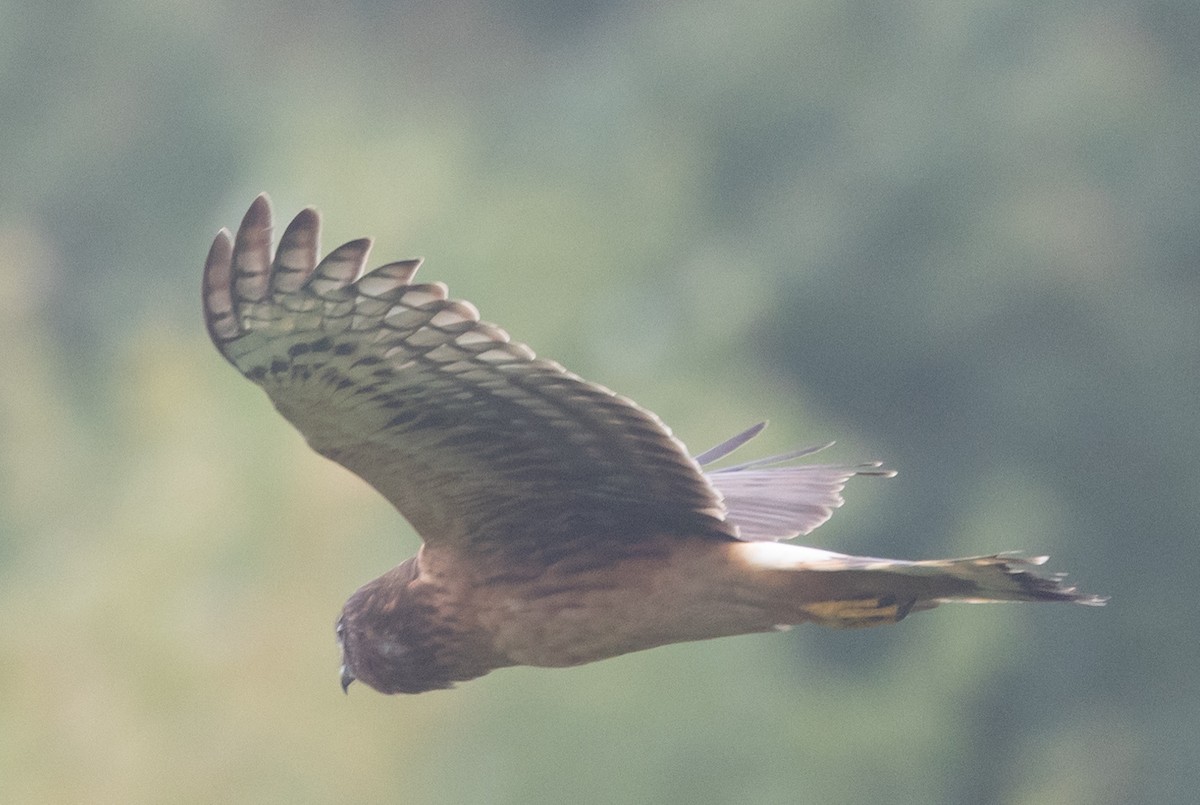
561 523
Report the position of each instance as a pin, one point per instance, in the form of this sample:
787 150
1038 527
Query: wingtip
217 291
875 469
223 236
341 267
358 249
309 216
258 216
729 445
221 251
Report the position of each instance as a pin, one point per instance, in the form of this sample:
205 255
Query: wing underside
467 432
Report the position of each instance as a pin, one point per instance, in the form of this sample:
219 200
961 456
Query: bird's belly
572 617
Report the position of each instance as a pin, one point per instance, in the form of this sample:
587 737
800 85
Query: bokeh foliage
959 236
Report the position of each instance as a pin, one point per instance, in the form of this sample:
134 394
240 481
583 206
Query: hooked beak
347 678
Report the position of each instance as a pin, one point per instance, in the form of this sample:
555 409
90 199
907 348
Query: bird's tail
854 591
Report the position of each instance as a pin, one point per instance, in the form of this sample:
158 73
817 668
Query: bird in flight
561 523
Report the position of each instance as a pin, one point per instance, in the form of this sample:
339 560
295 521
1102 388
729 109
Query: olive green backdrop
959 236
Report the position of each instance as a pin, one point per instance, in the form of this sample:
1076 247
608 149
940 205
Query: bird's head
388 640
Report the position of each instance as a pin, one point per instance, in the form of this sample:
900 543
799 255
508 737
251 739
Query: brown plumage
562 523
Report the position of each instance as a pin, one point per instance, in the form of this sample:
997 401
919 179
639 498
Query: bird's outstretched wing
773 499
467 433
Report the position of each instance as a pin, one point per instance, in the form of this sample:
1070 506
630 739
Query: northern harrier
562 523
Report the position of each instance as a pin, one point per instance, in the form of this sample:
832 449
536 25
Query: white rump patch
784 556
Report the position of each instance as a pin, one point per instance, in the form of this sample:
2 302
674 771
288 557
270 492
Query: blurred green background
959 236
